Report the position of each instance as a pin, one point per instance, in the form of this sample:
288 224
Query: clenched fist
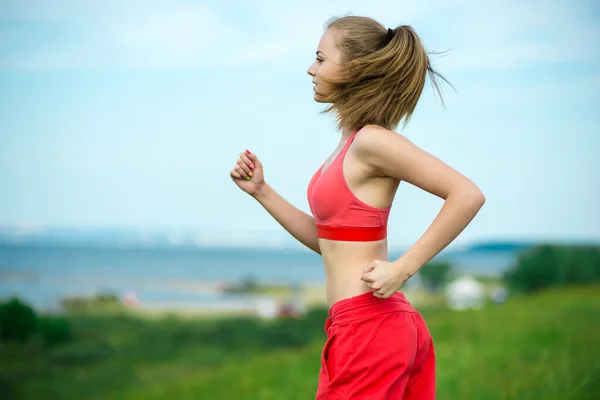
385 278
248 173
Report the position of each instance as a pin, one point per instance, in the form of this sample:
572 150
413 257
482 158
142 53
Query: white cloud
508 35
176 35
152 34
133 35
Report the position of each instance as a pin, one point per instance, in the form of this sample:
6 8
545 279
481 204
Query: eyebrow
319 51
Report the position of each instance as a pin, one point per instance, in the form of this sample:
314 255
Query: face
327 63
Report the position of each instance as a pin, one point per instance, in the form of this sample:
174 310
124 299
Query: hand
385 278
248 173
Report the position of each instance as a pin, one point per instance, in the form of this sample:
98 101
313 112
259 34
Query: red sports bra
338 213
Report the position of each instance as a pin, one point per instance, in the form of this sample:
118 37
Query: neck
347 132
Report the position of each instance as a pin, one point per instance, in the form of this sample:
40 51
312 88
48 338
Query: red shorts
376 349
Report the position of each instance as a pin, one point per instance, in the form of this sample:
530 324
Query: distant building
130 299
266 307
465 292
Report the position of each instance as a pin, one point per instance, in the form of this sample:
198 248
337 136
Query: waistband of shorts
366 305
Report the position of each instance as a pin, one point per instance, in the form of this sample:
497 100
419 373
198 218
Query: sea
42 274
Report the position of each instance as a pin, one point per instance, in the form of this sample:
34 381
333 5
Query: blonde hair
382 75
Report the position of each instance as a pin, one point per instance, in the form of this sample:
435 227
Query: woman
378 346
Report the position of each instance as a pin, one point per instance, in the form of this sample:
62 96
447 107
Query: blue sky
131 114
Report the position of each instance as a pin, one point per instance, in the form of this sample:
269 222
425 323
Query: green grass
543 346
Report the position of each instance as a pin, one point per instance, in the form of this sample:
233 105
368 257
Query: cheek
327 71
323 71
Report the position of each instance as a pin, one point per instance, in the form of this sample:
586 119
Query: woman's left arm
391 154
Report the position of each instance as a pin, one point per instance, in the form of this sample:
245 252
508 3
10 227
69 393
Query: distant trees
19 323
554 265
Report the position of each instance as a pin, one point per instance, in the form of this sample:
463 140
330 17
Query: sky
131 114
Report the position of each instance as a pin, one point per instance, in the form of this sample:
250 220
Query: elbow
470 197
478 198
475 198
317 249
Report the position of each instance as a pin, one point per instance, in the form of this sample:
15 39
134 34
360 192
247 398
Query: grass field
543 346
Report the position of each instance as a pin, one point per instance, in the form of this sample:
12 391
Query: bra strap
349 142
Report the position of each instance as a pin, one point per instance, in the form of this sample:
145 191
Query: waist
344 263
364 306
351 233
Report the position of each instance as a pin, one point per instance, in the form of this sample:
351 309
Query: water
41 275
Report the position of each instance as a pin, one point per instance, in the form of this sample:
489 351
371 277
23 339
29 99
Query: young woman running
378 346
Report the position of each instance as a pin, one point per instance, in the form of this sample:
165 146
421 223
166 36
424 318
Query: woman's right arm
248 176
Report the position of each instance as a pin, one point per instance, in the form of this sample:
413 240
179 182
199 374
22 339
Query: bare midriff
344 264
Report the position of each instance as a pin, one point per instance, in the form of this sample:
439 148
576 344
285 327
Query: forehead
328 44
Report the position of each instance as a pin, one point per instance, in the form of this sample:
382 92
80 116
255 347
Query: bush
18 321
284 333
54 330
101 301
553 265
80 353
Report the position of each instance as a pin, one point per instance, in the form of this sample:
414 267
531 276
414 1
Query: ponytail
383 74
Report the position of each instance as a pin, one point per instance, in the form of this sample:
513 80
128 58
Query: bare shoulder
388 153
374 132
374 140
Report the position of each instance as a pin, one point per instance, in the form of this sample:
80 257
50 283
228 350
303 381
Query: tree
18 321
434 274
553 265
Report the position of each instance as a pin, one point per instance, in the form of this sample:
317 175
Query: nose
311 70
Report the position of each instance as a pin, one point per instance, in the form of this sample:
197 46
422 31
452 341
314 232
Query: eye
319 60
